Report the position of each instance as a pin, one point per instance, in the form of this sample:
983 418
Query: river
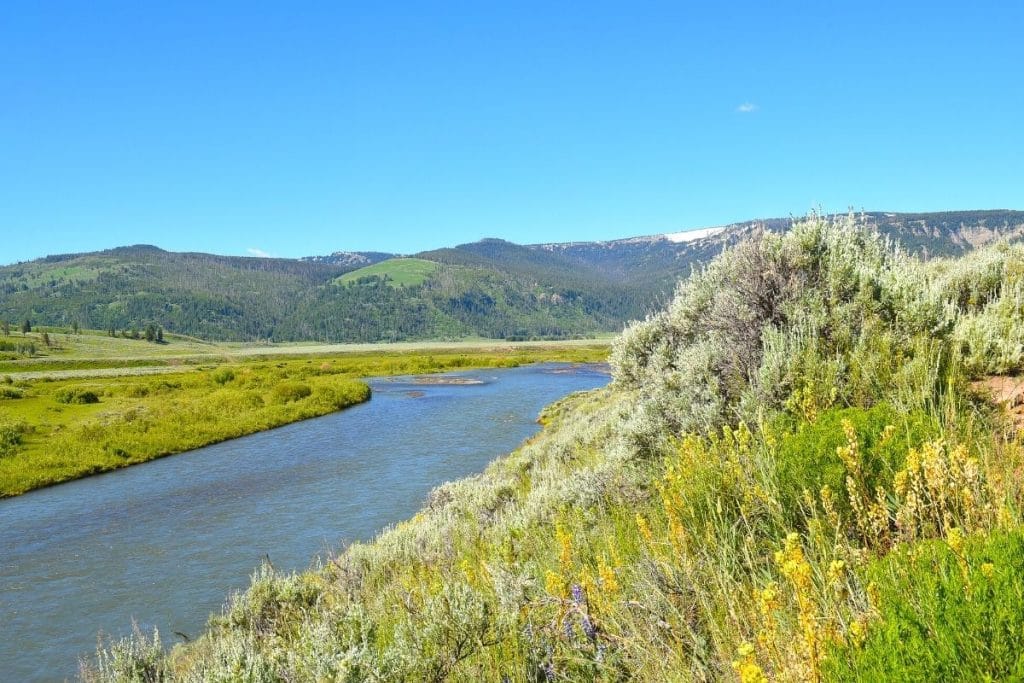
165 542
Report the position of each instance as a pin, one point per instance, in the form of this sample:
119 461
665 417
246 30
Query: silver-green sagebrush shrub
135 659
742 333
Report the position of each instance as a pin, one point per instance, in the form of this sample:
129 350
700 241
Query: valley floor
98 403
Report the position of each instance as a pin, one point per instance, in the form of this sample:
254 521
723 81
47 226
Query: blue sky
303 128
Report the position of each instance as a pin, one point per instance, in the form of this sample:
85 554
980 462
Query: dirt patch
1007 392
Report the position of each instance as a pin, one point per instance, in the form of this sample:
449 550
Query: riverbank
56 430
163 544
93 353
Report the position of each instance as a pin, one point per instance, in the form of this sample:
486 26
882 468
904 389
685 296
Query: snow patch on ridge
692 235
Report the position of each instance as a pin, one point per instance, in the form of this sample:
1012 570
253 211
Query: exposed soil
1007 392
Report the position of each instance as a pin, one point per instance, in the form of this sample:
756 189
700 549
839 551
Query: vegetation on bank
94 350
790 478
56 430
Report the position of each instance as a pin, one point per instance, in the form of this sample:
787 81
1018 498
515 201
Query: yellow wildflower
836 571
609 582
858 632
768 598
874 596
554 584
955 539
746 666
643 527
887 434
565 553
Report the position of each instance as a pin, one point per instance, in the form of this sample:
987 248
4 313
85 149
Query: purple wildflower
569 630
577 594
588 628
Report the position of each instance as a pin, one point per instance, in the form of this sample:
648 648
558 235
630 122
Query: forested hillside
798 473
218 297
490 288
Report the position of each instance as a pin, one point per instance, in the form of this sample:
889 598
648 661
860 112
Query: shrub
287 391
11 438
343 394
136 658
740 334
76 396
9 392
947 613
270 597
136 391
223 376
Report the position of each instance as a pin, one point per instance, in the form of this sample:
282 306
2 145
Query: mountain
355 259
491 288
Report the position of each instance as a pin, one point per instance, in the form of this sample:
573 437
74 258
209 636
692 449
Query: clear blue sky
304 128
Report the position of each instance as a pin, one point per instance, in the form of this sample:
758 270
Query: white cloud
747 108
253 251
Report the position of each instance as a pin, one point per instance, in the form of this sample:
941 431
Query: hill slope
790 478
490 288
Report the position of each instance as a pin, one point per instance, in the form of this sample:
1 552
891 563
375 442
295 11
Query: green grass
55 433
407 272
94 350
945 615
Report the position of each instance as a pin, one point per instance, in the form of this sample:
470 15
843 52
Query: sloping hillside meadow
790 478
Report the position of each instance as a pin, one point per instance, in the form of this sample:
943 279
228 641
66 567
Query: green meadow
69 423
406 272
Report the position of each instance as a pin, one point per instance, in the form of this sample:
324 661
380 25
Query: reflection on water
166 541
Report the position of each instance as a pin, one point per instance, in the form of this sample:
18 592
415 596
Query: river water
165 542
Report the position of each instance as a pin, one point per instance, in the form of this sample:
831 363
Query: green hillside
397 272
797 473
217 297
228 298
490 288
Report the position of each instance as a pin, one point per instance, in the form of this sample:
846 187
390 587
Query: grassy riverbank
54 430
91 351
791 477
